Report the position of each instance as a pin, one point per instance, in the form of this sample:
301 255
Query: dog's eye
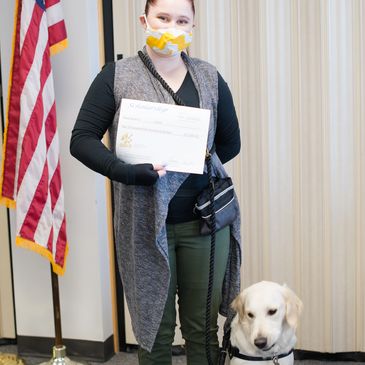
271 312
250 315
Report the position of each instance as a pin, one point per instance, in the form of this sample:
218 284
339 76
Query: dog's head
268 315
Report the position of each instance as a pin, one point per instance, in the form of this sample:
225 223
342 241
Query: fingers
161 173
160 169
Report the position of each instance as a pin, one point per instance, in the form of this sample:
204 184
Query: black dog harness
235 352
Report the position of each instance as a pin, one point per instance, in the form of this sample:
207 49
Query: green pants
189 263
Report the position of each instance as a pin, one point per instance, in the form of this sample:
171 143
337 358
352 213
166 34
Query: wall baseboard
103 351
7 341
329 356
81 349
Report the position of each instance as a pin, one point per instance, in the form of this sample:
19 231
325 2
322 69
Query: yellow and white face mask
167 41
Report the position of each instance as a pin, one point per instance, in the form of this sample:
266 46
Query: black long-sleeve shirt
96 116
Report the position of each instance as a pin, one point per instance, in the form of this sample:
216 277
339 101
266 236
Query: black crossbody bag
215 207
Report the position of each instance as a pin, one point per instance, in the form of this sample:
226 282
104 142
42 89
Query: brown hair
153 2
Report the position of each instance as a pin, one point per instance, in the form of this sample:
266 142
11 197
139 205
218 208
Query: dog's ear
238 304
294 307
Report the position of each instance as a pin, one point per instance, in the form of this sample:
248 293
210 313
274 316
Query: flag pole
56 309
59 349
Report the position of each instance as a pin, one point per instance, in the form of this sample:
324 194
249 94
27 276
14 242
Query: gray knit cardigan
140 212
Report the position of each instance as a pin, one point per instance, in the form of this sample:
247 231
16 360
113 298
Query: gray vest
140 212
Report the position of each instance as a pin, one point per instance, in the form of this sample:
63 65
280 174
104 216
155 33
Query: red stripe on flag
56 182
35 209
57 33
50 125
55 185
50 3
31 39
29 45
50 241
61 244
35 123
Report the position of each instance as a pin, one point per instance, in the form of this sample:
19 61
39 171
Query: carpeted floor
123 358
10 359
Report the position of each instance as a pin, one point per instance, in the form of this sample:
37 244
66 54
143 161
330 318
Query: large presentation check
170 135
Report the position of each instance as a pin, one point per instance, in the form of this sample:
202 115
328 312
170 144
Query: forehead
263 297
174 7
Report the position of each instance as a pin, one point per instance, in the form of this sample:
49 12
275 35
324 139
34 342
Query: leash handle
225 347
148 63
222 357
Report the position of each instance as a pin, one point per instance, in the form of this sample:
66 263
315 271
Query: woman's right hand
146 174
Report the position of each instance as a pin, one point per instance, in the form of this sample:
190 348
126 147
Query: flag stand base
59 357
59 350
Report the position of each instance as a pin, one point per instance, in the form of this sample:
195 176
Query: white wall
85 288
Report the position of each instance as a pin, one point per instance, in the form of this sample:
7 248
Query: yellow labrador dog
263 330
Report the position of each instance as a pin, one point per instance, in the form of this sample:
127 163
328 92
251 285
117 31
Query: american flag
30 178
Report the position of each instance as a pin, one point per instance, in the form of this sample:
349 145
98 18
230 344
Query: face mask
167 41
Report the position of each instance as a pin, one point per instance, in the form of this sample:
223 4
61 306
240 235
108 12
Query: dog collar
235 352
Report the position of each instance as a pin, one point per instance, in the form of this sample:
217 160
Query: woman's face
170 14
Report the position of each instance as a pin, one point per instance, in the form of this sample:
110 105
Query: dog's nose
260 342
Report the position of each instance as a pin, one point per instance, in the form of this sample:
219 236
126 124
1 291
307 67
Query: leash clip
275 360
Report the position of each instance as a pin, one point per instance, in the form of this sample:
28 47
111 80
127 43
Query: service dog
263 330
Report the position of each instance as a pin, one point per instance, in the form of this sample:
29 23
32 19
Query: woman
160 251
